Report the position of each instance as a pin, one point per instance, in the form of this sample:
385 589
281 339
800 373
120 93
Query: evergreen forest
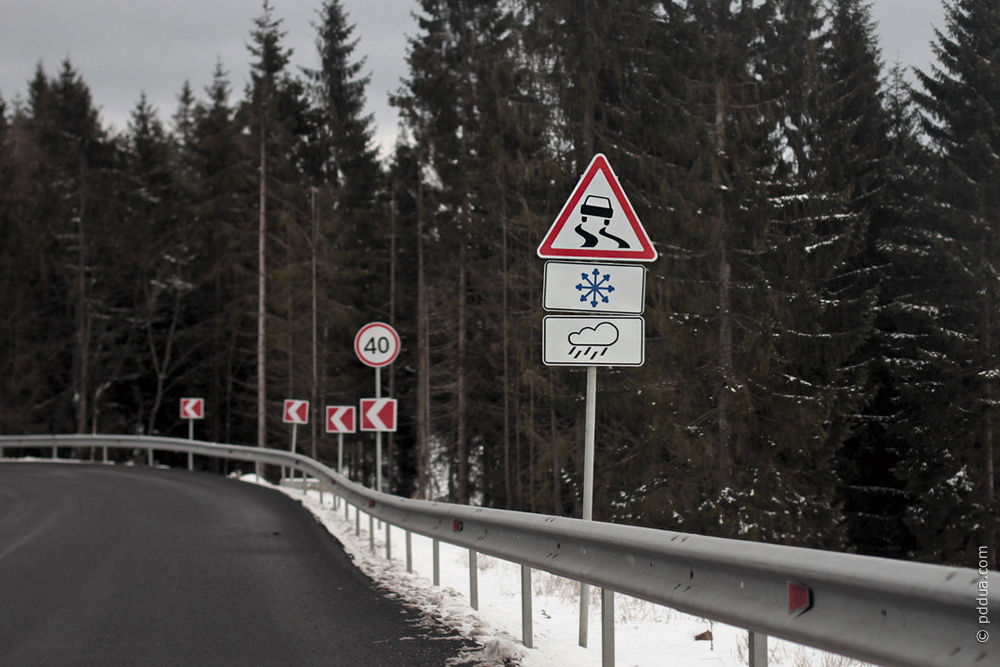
821 367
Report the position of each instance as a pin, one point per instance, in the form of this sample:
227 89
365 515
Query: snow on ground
645 634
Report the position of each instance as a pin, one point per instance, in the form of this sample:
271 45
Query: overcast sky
124 47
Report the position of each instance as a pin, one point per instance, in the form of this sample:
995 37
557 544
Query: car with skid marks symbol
599 207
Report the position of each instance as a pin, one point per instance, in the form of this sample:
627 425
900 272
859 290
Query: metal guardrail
874 609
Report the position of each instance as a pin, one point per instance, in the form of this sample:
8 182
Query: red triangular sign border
646 253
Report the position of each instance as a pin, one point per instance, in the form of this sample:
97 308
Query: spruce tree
221 166
756 330
352 236
872 156
78 161
274 113
953 477
439 100
900 359
159 258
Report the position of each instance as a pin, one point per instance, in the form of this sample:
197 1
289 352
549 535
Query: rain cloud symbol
592 342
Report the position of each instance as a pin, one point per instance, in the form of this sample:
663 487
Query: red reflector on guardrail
799 598
456 526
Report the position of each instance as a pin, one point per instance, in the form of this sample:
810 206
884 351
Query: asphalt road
104 565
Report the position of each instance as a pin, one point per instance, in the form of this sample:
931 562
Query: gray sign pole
378 434
588 487
588 444
190 437
340 452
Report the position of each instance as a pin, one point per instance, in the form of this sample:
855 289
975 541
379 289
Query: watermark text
983 595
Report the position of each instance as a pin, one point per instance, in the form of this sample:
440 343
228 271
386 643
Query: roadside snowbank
645 634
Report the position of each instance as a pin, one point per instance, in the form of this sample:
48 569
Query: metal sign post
378 434
596 230
588 485
588 444
340 453
190 437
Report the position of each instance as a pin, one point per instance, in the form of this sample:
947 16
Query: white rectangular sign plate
569 340
594 287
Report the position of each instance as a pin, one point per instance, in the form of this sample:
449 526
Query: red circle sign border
357 344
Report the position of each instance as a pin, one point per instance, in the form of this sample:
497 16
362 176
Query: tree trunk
725 295
505 287
317 413
391 436
82 319
423 362
160 365
261 295
462 436
215 392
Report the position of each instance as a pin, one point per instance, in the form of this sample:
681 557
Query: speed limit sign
377 344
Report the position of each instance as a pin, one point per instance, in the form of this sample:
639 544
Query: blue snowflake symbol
594 287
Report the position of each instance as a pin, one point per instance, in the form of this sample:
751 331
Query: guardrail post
757 648
357 521
149 456
409 551
191 460
527 633
473 580
371 533
584 613
1 451
436 558
55 451
388 541
607 628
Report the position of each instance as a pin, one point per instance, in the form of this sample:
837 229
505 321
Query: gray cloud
122 48
125 47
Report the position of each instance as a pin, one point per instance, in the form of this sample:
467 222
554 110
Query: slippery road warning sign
598 222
